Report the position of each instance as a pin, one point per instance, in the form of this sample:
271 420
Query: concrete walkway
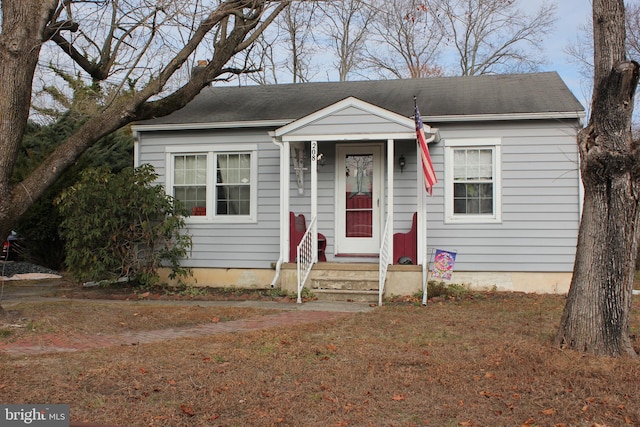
291 314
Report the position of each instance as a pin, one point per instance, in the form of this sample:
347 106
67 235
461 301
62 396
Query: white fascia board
199 126
350 137
363 136
517 116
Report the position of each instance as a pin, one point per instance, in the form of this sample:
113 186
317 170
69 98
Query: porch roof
537 95
349 119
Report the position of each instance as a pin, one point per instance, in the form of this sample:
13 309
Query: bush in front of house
122 225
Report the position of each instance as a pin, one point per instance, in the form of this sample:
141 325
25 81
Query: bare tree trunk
597 313
20 42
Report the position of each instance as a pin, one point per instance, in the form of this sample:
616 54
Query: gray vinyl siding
349 121
540 201
228 245
405 190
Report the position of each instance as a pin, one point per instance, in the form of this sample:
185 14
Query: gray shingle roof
440 96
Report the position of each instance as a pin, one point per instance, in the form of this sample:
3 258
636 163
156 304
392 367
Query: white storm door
359 192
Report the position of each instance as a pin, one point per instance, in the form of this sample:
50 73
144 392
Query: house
258 165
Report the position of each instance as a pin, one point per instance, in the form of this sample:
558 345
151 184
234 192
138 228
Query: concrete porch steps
344 282
353 281
346 295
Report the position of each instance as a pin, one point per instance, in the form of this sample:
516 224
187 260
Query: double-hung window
215 183
233 184
472 179
190 182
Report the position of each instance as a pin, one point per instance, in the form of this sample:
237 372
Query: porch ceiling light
321 160
402 162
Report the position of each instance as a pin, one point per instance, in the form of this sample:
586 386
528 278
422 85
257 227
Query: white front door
359 191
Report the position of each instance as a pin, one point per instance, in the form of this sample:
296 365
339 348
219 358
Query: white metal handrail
305 257
385 258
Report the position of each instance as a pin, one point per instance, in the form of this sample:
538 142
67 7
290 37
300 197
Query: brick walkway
44 344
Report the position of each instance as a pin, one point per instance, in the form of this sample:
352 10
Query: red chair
297 228
406 244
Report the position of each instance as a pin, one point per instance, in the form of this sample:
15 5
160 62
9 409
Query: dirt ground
485 360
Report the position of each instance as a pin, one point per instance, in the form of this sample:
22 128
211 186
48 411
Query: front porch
352 171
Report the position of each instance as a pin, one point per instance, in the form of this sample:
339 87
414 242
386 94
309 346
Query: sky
571 14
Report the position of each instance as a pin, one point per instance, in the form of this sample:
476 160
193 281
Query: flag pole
429 177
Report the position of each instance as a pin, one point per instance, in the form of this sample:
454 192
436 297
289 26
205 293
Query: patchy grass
189 293
486 361
103 317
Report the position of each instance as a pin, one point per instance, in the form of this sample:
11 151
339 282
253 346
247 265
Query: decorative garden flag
443 264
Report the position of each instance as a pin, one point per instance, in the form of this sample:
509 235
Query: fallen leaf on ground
188 410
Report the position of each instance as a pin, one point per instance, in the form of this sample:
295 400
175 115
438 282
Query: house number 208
314 151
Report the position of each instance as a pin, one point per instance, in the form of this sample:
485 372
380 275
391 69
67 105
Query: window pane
232 176
245 161
459 191
485 165
473 206
486 191
486 206
358 195
233 189
192 198
189 179
473 181
202 162
190 176
459 165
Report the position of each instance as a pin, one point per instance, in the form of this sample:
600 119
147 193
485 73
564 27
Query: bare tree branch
489 36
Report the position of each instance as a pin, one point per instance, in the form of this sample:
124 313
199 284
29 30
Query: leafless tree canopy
346 32
407 39
135 55
495 36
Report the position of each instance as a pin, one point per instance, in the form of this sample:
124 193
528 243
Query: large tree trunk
597 312
23 25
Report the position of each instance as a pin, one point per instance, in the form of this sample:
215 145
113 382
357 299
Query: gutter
280 145
212 125
580 115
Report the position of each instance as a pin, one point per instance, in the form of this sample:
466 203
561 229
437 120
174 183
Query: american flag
430 177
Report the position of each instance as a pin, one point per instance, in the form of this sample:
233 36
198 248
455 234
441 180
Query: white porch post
314 197
390 183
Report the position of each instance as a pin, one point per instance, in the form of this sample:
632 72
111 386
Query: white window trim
495 144
211 151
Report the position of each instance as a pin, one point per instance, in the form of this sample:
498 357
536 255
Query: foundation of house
347 280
